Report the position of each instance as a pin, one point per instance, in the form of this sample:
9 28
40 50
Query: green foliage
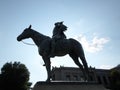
115 80
14 76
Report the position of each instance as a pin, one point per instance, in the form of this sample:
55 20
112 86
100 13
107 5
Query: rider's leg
52 48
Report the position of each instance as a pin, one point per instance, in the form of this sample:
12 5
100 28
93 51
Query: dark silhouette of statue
58 45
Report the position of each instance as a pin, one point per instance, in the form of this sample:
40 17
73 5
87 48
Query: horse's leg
48 67
76 60
82 57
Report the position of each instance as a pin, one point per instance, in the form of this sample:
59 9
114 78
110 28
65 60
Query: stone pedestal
68 86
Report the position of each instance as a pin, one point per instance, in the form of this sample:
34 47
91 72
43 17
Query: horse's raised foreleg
48 67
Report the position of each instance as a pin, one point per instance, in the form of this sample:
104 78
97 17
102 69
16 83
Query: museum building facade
101 76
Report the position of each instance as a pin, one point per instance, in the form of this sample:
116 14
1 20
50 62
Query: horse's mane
39 34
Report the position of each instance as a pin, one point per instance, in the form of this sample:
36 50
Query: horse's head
60 25
25 34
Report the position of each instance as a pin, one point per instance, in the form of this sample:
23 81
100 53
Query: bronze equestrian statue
58 45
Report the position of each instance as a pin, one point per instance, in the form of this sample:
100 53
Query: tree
14 76
115 80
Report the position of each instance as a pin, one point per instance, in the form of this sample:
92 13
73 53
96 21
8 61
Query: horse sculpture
63 47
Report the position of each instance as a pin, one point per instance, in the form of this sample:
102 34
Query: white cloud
94 45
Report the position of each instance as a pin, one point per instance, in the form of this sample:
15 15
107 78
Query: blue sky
95 23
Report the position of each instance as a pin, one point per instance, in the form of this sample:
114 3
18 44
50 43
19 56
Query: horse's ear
30 26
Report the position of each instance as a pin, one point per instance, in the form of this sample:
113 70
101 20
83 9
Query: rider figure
58 33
